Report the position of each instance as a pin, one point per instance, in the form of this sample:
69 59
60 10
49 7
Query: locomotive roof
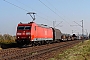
42 25
25 23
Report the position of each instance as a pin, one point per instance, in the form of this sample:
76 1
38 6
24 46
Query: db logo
23 33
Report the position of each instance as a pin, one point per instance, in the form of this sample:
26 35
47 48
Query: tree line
6 38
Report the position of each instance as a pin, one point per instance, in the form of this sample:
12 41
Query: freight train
35 34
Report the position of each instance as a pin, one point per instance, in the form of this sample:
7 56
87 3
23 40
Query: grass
7 41
78 52
4 44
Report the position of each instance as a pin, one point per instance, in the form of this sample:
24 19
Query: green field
78 52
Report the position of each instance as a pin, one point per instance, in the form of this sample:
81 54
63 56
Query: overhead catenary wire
49 8
58 11
16 6
53 11
35 10
23 9
52 5
24 4
28 11
55 8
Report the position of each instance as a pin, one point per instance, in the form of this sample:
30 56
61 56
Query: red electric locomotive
33 33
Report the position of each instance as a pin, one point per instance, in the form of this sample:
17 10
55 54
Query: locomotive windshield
20 28
27 27
23 28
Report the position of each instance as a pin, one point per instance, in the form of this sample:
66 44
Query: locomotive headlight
29 37
27 33
17 37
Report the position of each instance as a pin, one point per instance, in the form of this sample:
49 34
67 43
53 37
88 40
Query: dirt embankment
5 46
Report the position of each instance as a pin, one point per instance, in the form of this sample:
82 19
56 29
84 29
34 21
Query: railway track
41 52
29 53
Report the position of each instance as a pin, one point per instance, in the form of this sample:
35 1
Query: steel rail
29 55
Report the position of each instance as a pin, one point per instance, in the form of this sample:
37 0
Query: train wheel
51 41
33 43
39 43
47 42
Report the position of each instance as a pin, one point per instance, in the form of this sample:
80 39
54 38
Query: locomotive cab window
27 27
20 28
23 28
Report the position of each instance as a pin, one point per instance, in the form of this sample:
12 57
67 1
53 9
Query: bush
7 39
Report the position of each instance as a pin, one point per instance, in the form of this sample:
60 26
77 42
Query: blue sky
62 10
